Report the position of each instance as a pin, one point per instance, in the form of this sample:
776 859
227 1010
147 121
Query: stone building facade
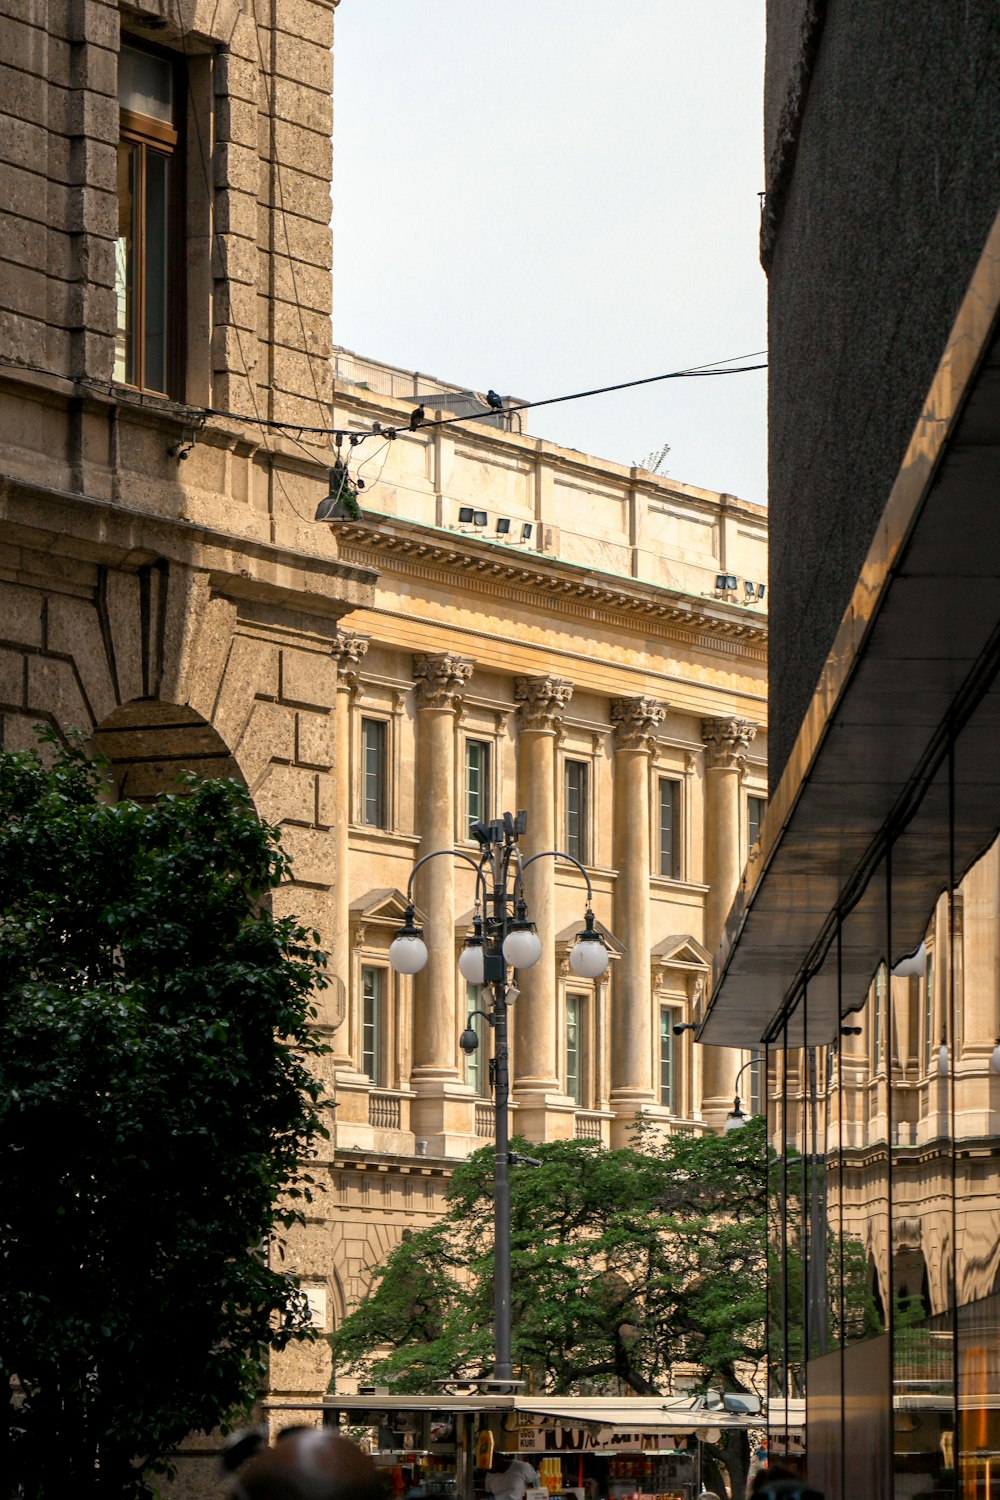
165 295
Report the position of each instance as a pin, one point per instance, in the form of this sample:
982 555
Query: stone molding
439 681
727 742
540 701
636 721
349 652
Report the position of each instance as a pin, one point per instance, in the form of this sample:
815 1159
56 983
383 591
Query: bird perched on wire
495 401
416 417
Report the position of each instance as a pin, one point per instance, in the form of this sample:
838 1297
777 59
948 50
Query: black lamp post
503 940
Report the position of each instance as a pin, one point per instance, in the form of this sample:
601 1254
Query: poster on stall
543 1435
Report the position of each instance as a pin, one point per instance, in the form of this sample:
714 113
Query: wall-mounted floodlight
479 518
465 515
750 589
526 532
503 525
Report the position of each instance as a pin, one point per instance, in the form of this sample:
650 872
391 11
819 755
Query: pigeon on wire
495 401
416 417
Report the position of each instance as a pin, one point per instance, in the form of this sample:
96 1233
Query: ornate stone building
597 660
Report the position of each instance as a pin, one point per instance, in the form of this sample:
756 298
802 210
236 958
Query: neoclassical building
554 633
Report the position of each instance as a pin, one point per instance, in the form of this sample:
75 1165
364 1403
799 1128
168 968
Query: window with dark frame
668 1060
576 1083
372 1023
929 1038
878 1030
373 763
670 828
577 781
755 1073
477 782
755 816
477 1064
149 254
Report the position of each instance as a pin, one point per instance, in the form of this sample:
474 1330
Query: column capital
636 721
541 700
348 652
726 742
440 680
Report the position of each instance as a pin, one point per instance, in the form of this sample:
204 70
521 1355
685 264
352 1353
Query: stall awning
635 1414
917 648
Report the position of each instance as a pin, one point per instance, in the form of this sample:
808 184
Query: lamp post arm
739 1075
561 854
477 865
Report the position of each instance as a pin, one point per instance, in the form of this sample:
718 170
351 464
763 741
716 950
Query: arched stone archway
151 744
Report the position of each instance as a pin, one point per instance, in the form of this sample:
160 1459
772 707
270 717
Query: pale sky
543 196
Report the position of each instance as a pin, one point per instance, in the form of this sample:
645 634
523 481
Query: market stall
441 1447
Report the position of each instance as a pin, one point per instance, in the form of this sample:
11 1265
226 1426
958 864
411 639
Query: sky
544 196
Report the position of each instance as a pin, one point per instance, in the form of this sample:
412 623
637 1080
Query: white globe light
407 953
995 1059
471 963
522 948
588 958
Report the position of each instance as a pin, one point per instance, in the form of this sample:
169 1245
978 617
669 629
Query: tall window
755 816
576 1083
878 1029
670 828
373 798
373 1024
149 251
668 1060
477 782
929 1013
477 1064
755 1093
576 820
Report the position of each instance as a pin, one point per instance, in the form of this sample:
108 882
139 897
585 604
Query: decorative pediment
681 951
568 936
383 905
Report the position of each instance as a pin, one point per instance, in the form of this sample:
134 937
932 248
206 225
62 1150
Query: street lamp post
736 1118
503 940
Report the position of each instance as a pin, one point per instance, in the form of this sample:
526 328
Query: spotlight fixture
479 518
680 1027
526 530
465 515
503 525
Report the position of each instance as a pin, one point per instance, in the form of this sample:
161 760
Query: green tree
624 1262
156 1100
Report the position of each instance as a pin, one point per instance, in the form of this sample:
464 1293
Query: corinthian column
726 743
635 723
348 652
541 701
439 686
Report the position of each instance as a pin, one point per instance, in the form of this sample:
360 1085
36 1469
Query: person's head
309 1464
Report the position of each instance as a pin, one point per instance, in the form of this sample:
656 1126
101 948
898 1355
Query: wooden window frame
146 134
486 749
381 819
676 861
583 851
377 1073
668 1015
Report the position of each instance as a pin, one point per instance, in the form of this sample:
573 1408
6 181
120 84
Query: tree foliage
156 1100
624 1262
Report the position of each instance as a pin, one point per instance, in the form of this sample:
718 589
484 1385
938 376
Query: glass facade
884 1266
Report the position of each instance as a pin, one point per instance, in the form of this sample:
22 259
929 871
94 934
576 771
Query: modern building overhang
896 766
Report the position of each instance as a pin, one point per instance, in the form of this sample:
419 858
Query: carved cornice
727 742
348 652
541 700
551 584
440 681
636 721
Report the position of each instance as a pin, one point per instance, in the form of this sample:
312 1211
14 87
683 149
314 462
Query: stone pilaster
348 652
439 686
727 741
541 702
635 721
